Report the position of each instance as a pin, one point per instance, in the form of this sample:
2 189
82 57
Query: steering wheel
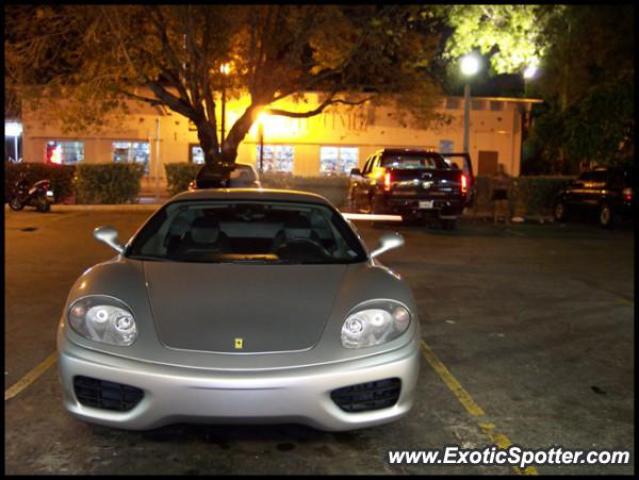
317 247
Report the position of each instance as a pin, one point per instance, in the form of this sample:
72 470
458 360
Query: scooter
39 195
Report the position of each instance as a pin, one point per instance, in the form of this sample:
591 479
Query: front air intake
368 396
95 393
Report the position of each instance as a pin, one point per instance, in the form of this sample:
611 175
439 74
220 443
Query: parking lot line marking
499 439
451 382
30 377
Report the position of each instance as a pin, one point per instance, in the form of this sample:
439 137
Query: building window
453 103
196 154
338 160
132 152
64 153
276 158
496 106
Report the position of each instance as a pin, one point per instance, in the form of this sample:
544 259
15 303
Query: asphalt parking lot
533 323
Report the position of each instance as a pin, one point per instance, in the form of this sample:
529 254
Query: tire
16 204
43 205
449 224
606 216
560 212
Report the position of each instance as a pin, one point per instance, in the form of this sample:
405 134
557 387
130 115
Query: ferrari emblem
239 343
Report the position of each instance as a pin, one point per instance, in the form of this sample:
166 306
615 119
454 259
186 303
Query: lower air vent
368 396
95 393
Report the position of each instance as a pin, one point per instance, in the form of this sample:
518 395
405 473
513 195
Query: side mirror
108 235
388 241
356 172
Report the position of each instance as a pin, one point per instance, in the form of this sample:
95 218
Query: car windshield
413 160
222 231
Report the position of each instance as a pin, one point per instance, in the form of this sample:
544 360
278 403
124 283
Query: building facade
327 144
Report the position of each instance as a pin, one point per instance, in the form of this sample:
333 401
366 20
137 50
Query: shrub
107 183
527 196
333 188
535 195
60 176
179 175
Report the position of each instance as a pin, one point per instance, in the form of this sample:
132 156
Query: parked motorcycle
39 195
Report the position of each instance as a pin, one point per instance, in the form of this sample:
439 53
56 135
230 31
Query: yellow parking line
30 377
470 405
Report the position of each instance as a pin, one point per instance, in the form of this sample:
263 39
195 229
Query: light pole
469 66
529 73
225 68
260 133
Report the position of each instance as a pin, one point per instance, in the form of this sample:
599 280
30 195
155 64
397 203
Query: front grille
368 396
95 393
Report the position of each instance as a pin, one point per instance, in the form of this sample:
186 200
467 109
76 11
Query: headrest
297 227
205 230
179 226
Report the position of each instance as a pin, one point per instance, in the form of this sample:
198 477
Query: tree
98 56
512 35
586 58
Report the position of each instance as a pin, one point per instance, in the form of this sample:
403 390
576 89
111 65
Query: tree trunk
208 142
237 133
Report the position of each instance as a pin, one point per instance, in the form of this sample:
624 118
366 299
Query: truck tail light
387 181
464 183
627 194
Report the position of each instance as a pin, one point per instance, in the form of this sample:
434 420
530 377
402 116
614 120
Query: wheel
560 212
449 223
606 216
16 204
43 205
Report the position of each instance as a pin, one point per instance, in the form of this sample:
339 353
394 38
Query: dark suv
606 191
413 183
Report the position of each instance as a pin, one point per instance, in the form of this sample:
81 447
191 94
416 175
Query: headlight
103 319
375 323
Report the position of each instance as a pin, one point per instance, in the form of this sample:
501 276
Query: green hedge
60 176
535 195
334 188
179 175
528 195
107 183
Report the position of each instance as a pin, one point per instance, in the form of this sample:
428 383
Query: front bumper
292 395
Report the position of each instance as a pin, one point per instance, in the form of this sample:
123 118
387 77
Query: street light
530 72
469 65
225 69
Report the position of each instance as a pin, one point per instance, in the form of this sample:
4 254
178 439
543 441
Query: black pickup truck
416 184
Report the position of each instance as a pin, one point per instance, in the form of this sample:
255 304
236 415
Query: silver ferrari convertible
240 306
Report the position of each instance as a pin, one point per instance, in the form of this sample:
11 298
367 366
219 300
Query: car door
593 188
369 182
574 193
355 185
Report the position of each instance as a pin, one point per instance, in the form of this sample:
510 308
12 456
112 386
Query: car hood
241 308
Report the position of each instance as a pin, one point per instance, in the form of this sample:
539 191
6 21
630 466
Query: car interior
249 232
